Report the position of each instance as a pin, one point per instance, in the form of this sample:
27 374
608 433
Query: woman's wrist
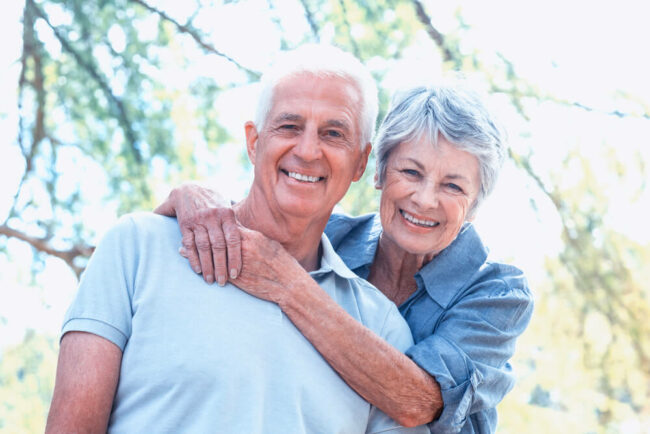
297 292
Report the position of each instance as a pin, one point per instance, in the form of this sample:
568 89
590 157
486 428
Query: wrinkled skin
211 235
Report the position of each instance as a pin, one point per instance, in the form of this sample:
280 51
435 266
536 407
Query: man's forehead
308 86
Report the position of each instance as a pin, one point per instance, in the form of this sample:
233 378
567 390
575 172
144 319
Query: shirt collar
331 262
359 251
453 267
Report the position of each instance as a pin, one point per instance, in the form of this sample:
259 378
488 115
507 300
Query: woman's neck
393 270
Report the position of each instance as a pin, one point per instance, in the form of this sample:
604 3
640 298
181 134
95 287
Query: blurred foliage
114 89
26 384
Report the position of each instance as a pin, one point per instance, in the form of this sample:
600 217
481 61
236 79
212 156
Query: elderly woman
438 155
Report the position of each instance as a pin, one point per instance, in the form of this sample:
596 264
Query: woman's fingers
233 244
188 249
204 248
218 250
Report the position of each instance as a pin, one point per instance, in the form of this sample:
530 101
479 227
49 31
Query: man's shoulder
141 231
144 224
145 219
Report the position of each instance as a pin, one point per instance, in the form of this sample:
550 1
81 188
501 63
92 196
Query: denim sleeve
469 350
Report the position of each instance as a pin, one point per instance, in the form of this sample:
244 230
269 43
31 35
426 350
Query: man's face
308 152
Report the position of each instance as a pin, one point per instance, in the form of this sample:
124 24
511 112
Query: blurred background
107 104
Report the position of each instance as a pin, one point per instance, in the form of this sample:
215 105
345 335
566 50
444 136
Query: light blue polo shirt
201 358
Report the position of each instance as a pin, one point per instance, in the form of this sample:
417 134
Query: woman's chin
415 245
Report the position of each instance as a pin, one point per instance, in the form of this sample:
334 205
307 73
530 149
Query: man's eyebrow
290 117
337 124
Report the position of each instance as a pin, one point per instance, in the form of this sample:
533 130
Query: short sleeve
102 305
396 331
469 351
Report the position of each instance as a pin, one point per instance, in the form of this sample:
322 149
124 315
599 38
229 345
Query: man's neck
299 236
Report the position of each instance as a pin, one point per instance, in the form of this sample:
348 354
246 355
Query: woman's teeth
412 219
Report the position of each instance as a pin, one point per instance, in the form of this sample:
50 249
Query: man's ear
251 140
377 185
363 162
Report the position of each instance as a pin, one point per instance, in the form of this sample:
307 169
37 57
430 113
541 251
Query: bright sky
583 51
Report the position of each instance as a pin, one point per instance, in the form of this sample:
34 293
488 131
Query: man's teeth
417 221
301 177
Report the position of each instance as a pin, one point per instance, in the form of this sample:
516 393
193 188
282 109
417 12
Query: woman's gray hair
456 113
322 61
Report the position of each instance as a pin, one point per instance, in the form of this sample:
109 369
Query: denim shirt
465 316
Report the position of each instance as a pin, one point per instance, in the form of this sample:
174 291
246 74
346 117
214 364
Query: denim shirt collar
331 262
358 253
454 267
443 277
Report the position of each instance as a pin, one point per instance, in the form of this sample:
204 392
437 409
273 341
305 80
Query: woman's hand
211 238
268 270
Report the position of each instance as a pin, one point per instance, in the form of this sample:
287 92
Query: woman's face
426 195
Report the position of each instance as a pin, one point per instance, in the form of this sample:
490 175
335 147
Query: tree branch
42 245
437 37
197 38
521 89
31 49
117 103
515 95
310 19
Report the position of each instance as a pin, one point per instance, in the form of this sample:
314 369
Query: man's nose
308 147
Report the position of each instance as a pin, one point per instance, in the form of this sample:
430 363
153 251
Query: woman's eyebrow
416 162
451 176
455 176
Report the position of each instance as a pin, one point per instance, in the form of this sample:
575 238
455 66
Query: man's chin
305 208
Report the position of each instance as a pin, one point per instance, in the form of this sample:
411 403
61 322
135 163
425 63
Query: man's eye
288 127
411 172
333 133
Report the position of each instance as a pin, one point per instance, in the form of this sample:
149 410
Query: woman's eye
455 187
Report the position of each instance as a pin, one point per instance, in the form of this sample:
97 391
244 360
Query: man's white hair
321 61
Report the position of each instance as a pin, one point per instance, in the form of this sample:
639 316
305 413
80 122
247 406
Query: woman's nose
426 196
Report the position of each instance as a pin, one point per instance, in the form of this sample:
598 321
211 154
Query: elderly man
149 346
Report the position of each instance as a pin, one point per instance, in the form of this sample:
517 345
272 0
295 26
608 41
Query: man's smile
302 177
